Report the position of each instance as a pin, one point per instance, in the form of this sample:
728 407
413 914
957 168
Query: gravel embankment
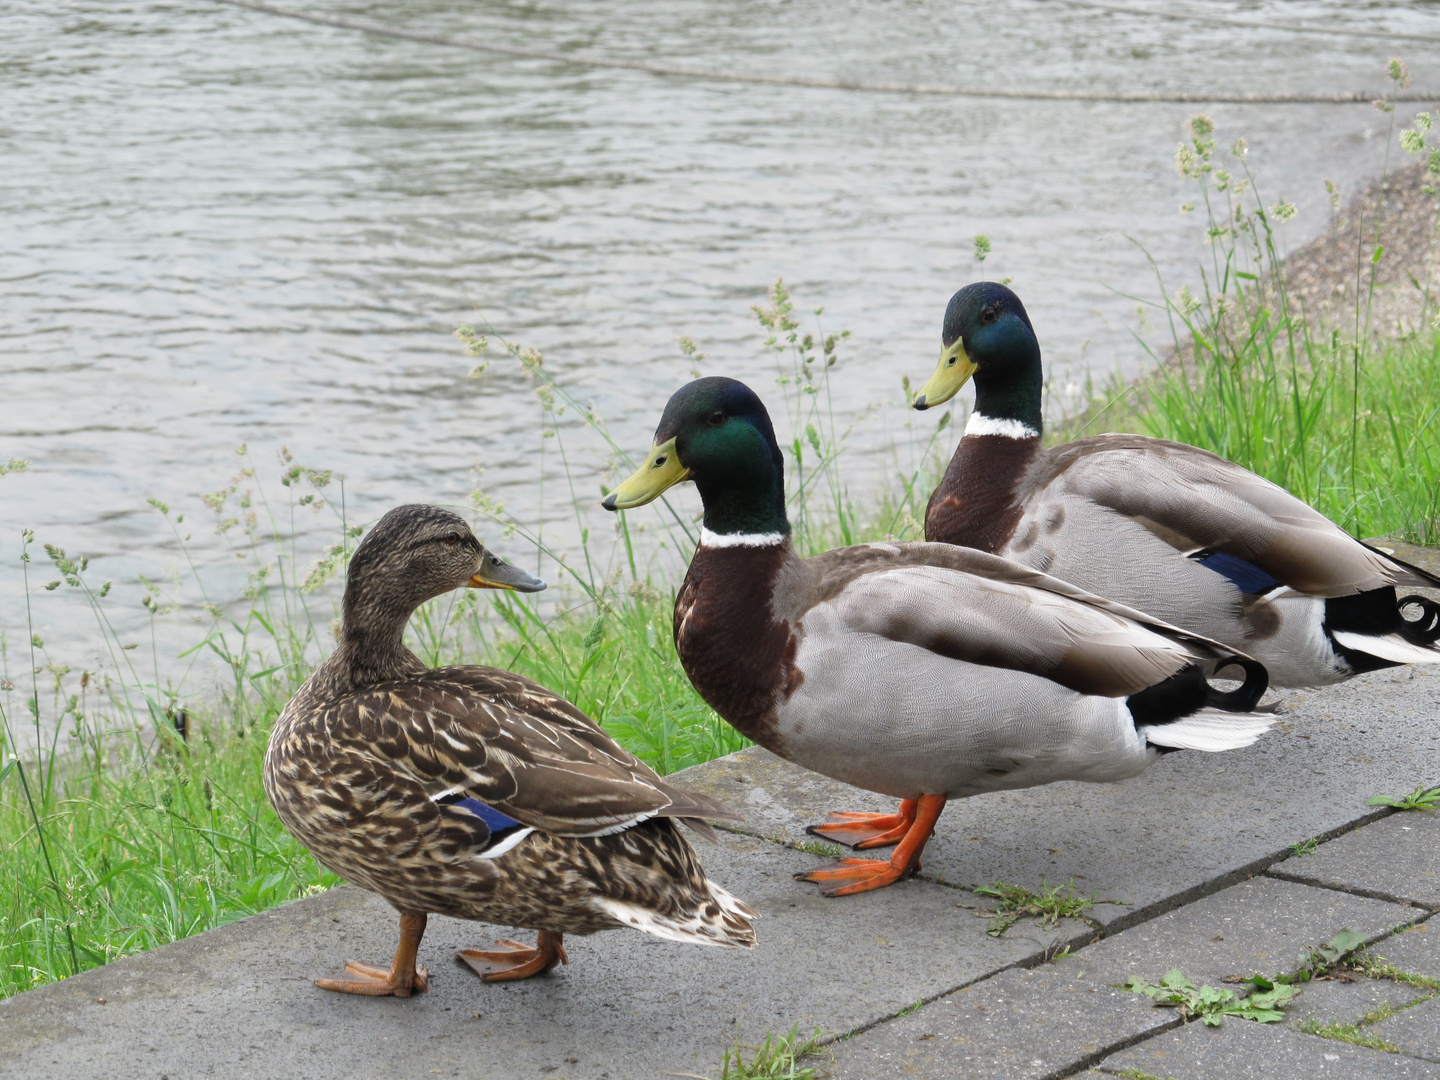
1326 274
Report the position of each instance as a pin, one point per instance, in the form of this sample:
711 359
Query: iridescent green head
987 334
716 432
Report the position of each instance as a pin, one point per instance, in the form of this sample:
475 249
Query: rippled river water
224 227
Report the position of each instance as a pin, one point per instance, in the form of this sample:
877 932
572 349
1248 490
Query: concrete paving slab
239 1000
1416 950
1262 926
1244 1050
1189 825
1019 1024
1394 859
1416 1031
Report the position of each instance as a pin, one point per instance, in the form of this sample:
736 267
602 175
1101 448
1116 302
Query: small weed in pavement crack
1270 995
775 1059
1049 904
1349 1033
1419 799
1212 1005
817 847
1318 961
1380 968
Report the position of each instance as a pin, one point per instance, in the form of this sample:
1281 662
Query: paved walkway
1192 863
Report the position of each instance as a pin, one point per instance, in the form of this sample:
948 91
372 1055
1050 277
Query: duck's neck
371 649
1007 395
736 647
976 504
745 510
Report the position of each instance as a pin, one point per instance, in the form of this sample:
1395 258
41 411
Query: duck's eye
717 418
989 315
453 539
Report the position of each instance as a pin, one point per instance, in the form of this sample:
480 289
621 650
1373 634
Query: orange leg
864 830
516 961
867 874
401 979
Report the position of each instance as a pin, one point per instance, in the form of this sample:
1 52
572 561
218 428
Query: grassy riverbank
128 834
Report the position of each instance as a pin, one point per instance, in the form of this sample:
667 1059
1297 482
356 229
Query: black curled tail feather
1248 694
1426 629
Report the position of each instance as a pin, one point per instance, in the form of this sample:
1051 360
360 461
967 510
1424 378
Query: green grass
777 1058
1355 1033
1380 968
1350 1033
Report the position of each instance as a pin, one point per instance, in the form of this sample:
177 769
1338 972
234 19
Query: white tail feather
1388 647
731 927
1210 730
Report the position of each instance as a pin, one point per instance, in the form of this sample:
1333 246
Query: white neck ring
723 540
980 424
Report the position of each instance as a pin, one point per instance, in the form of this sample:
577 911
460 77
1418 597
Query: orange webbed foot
401 979
514 960
375 981
845 877
859 829
862 875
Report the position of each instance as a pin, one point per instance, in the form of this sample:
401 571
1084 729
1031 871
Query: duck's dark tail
1370 630
1184 712
1247 696
1426 629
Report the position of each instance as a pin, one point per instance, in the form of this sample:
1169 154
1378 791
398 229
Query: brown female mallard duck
473 792
1171 529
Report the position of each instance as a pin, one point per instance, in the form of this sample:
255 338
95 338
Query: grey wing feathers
500 738
1016 618
1196 500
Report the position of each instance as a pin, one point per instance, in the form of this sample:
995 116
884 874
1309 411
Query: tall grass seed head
1398 72
1202 134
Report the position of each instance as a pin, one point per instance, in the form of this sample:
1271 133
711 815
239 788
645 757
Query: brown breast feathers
739 656
976 504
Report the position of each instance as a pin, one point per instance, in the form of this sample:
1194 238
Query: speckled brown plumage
370 764
354 778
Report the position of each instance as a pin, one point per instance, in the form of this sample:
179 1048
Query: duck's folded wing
998 620
512 745
1201 503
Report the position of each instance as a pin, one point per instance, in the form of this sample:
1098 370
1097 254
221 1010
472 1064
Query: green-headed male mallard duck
1171 529
923 671
474 792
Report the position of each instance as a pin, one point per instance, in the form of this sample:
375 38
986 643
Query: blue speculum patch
1246 577
493 818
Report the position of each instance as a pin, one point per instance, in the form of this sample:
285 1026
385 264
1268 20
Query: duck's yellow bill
953 372
660 472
